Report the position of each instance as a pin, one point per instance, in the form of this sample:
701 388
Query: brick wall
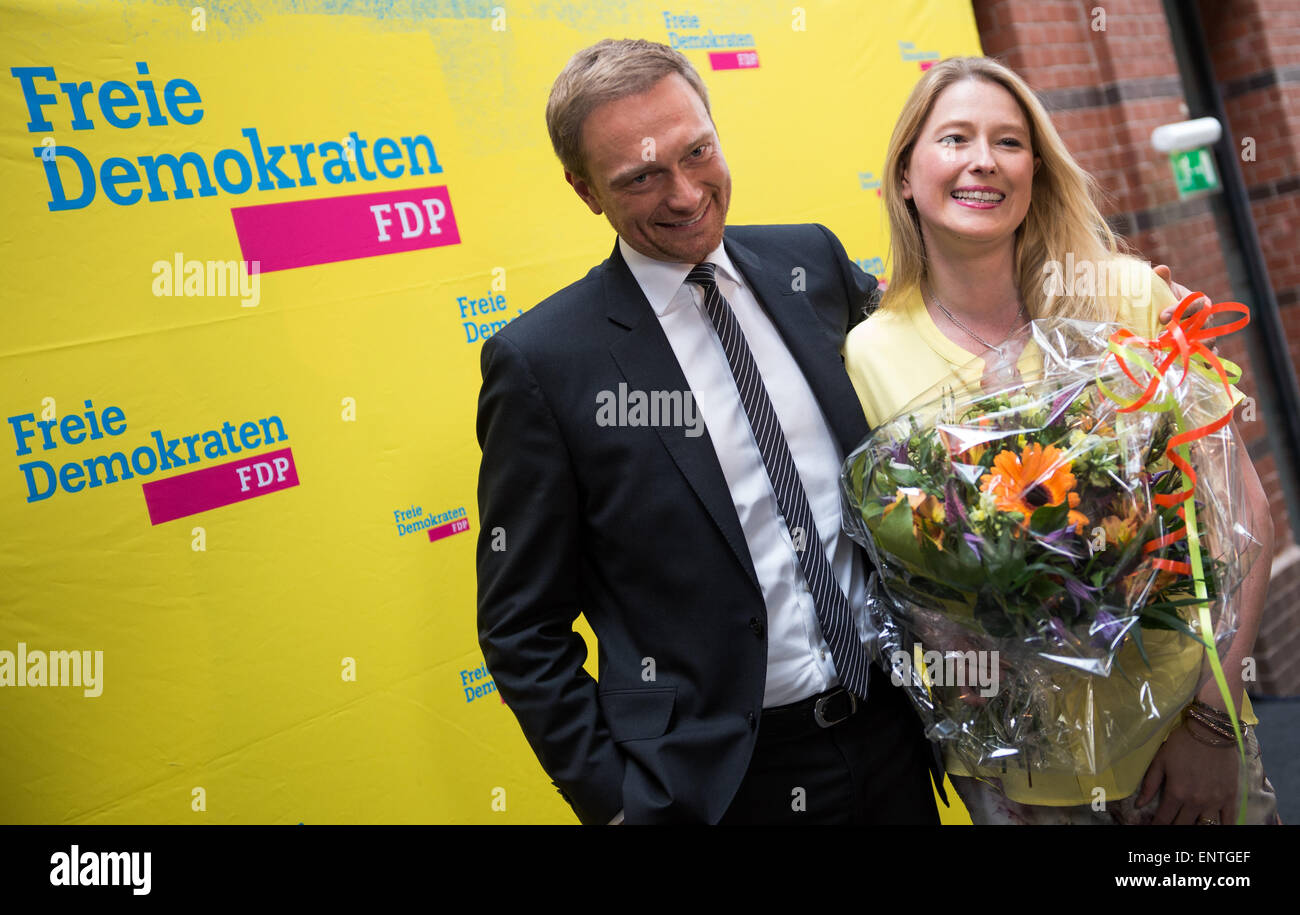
1109 81
1255 51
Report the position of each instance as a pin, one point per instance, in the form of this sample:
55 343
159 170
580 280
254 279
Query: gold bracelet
1211 712
1212 724
1211 730
1207 741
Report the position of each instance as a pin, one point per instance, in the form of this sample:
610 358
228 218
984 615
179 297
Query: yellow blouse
899 355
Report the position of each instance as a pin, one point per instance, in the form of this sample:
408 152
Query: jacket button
749 716
757 625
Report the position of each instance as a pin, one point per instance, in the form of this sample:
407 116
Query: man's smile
688 223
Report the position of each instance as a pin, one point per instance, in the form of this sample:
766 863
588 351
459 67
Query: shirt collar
661 280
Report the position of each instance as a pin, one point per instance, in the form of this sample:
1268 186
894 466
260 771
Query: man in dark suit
661 449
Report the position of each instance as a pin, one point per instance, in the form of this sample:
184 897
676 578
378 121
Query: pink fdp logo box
733 60
459 526
212 487
304 233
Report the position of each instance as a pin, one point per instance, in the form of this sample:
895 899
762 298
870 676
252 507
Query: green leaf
1136 632
1042 589
956 570
1049 518
1169 621
906 476
857 475
894 535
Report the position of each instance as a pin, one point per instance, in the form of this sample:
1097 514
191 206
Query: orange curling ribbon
1184 341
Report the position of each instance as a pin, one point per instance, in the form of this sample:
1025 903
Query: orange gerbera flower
1027 481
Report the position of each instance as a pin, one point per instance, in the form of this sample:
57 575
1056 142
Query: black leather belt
824 710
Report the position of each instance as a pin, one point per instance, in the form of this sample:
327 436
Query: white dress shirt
799 664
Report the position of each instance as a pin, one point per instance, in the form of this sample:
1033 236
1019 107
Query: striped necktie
851 661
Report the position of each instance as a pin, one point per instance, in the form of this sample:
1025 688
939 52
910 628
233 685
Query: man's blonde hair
1062 217
607 71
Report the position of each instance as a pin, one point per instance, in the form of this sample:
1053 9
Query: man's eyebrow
700 140
632 171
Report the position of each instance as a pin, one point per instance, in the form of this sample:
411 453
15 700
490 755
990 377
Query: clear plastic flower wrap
1038 593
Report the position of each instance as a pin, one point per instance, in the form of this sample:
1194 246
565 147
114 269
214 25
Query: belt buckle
820 708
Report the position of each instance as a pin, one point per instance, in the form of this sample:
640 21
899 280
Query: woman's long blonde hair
1062 217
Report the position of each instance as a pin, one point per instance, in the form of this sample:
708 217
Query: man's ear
583 190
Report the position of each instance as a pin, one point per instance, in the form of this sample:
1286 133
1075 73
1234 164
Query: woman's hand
1198 781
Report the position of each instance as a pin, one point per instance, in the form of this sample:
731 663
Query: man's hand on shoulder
860 287
1180 292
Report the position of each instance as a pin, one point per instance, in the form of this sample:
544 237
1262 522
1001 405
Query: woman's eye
1011 141
951 140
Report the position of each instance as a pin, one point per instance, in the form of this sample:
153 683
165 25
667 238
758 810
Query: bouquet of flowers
1056 554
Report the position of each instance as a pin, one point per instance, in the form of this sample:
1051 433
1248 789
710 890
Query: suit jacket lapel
813 343
647 361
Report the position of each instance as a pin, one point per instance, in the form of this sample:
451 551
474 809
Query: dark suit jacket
634 527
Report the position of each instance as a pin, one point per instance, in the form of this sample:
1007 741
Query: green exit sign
1194 171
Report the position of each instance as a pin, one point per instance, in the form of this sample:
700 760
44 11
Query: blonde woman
984 203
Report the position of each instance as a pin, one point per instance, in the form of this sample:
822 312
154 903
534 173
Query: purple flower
1106 629
1080 593
974 541
952 505
1058 629
1063 401
1053 541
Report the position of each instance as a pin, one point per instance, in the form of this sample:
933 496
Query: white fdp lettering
267 472
410 216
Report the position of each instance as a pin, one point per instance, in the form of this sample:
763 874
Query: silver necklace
953 318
